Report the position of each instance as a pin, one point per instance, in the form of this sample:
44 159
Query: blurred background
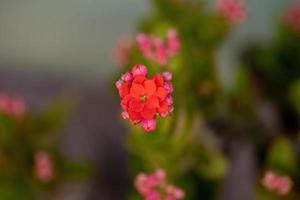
50 48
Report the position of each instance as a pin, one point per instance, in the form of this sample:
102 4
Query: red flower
143 99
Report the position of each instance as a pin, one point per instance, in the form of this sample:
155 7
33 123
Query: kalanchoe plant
143 99
181 38
31 163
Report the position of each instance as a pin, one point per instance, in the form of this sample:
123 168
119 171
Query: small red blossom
12 106
142 99
234 10
44 168
292 17
123 51
154 48
156 187
282 185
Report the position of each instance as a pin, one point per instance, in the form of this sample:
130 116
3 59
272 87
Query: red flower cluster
143 99
154 48
11 106
155 187
292 17
280 184
234 10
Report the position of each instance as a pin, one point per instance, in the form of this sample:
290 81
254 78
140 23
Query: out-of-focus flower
44 168
292 17
156 187
234 10
282 185
123 51
154 48
143 99
11 106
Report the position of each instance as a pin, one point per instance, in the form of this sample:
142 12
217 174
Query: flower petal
161 93
152 102
150 87
137 90
148 113
136 105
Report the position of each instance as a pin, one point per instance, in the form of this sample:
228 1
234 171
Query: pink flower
168 76
123 51
149 125
44 169
155 187
139 70
12 106
234 10
157 50
145 44
280 184
161 53
292 17
174 43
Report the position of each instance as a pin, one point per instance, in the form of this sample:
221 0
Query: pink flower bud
169 100
169 87
139 70
18 107
125 115
4 103
167 76
234 10
145 45
127 77
149 125
119 84
174 44
160 174
161 55
44 168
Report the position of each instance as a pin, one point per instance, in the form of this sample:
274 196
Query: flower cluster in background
11 106
280 184
158 50
234 10
156 187
31 161
292 17
143 99
43 167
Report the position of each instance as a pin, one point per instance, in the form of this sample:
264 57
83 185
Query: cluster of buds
156 187
143 99
43 168
292 17
234 10
123 51
158 50
282 185
11 106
